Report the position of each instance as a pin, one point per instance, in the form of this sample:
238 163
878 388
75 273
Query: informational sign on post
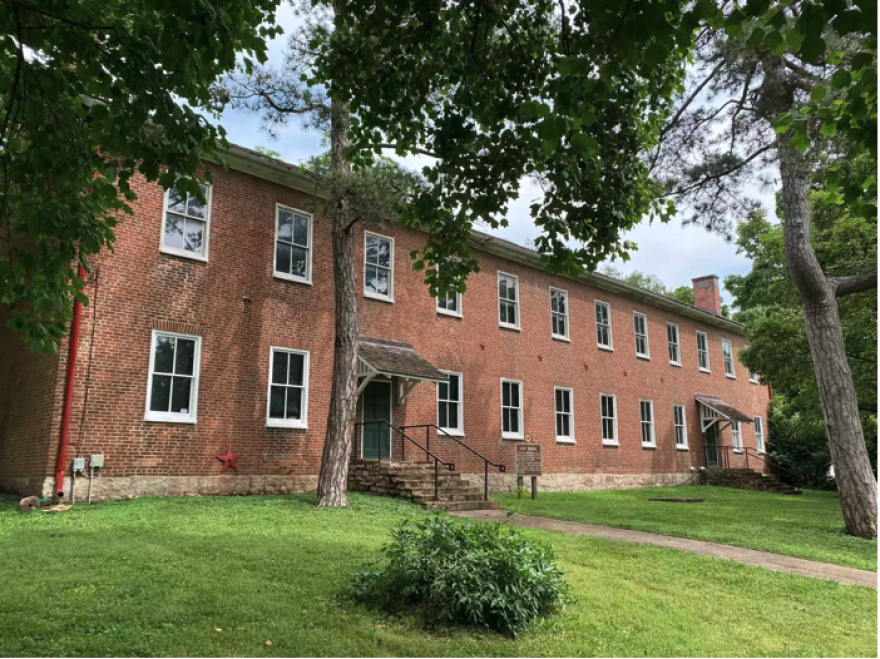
528 460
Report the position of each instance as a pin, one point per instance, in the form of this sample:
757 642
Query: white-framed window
449 306
559 313
564 415
293 244
759 434
511 409
727 350
508 300
674 345
450 404
703 351
187 224
608 407
603 325
646 411
288 389
173 387
753 377
640 325
736 435
681 430
378 267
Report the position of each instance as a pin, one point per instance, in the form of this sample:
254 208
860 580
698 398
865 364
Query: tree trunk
333 480
855 479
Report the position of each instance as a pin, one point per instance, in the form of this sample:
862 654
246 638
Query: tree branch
844 286
718 175
690 99
424 152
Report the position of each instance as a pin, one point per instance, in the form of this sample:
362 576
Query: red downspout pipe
73 344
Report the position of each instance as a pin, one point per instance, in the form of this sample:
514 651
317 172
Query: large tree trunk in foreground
855 479
333 480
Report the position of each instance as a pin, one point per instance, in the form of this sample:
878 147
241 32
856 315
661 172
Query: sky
674 253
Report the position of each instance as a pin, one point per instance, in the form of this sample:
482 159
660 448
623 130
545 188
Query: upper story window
508 300
603 325
736 435
449 306
753 376
564 415
187 221
703 351
681 431
293 244
608 405
672 341
511 409
450 413
559 313
288 389
759 434
646 409
173 388
379 267
727 349
640 324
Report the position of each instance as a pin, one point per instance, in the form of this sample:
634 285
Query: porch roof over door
395 359
713 409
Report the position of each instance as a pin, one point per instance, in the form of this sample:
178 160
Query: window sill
513 328
380 298
605 348
608 443
557 337
738 450
291 278
565 440
676 364
450 432
730 377
705 370
754 382
182 253
517 438
682 448
273 423
645 358
169 418
451 314
649 446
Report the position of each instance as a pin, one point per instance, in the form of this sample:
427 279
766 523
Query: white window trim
455 432
616 440
601 346
209 193
760 421
732 376
736 431
302 423
708 368
677 342
647 353
512 435
517 302
190 417
561 439
653 442
560 337
447 312
311 248
752 380
685 446
371 294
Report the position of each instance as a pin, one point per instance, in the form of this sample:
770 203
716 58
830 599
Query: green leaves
584 143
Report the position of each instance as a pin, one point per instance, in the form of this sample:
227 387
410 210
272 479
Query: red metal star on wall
229 459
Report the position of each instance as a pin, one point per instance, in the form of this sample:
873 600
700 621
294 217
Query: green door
711 443
377 407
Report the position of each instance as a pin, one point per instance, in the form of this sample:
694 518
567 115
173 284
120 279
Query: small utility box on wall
529 462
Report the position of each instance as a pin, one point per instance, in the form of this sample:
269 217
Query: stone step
462 505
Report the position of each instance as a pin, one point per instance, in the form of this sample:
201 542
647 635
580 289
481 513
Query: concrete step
462 505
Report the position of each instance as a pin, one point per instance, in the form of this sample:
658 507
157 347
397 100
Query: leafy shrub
478 574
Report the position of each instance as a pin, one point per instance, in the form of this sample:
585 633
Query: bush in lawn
479 574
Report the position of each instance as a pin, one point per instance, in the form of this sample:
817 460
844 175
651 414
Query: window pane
453 415
511 289
453 387
301 230
443 390
285 225
186 357
173 231
607 429
160 393
297 363
505 419
276 402
176 201
372 250
180 395
502 287
195 232
505 394
195 208
443 416
558 400
514 421
560 429
282 257
384 253
514 394
299 258
164 360
279 367
377 280
294 403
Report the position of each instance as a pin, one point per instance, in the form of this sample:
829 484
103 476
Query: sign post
529 462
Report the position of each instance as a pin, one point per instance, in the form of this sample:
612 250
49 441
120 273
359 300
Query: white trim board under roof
271 169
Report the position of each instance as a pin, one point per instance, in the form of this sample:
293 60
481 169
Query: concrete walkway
844 575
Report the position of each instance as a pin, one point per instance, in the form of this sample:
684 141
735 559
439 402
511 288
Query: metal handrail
437 460
486 461
746 451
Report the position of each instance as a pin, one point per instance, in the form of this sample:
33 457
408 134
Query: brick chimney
707 295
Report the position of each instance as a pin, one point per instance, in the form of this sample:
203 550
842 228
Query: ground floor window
288 388
449 405
681 431
172 392
736 435
564 415
609 419
647 413
759 434
511 409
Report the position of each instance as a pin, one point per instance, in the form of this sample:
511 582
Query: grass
808 526
164 576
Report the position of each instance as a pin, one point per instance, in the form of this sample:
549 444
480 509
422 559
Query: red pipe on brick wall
68 392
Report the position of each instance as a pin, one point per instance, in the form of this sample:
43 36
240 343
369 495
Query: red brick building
212 327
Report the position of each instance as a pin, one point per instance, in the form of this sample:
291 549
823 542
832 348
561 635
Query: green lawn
165 576
808 526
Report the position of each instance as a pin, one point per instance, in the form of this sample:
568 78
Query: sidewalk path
844 575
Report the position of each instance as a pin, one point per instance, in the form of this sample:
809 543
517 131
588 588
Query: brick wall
241 310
